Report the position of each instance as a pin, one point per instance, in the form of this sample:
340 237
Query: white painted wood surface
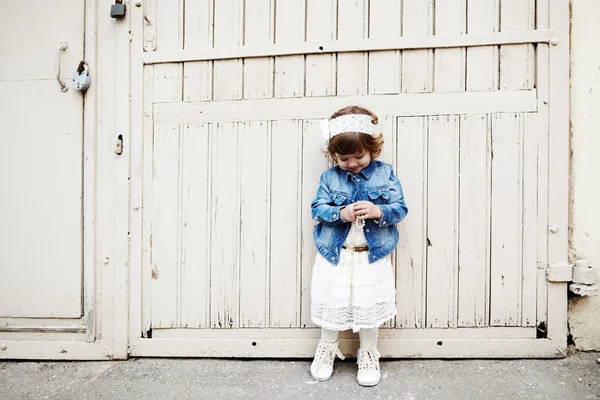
41 176
465 134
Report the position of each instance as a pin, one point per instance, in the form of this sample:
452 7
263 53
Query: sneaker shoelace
368 359
326 353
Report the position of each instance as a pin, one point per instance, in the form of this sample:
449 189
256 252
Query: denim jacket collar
366 171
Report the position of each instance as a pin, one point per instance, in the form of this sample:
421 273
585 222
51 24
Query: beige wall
584 225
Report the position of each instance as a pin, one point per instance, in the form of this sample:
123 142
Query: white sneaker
322 366
368 367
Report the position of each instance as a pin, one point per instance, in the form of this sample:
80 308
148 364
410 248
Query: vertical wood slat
558 173
259 30
352 67
417 65
254 262
442 221
289 28
165 227
530 233
228 74
384 66
169 22
506 229
313 164
412 172
286 180
224 253
482 62
542 85
195 226
449 74
198 75
517 61
147 195
388 155
321 71
474 238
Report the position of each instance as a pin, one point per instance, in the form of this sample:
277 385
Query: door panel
40 161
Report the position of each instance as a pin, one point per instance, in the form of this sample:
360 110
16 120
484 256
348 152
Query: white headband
360 123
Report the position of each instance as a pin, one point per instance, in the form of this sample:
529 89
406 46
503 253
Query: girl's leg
368 358
322 366
329 336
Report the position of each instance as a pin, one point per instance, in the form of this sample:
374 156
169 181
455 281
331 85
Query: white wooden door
471 100
41 181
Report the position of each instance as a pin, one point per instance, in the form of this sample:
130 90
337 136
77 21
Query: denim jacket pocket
379 195
339 198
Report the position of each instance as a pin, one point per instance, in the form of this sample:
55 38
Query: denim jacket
338 188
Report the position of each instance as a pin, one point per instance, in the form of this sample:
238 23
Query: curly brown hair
353 142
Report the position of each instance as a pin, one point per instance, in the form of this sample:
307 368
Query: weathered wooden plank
412 172
488 333
417 65
198 75
419 42
449 74
421 104
474 237
442 221
321 24
313 164
167 83
384 66
225 232
506 229
286 214
255 223
146 203
169 22
165 226
558 172
530 233
542 85
228 31
195 226
399 348
259 30
388 155
482 62
290 28
517 69
352 68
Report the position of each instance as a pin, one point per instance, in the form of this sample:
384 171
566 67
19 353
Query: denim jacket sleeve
395 208
322 208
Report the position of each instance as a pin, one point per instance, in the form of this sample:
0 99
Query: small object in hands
118 9
360 222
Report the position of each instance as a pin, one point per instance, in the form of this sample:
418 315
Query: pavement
576 377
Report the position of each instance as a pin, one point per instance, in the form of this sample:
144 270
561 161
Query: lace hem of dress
355 318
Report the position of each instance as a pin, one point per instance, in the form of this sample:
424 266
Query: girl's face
354 162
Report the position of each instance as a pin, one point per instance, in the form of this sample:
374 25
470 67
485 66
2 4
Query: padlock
81 78
118 9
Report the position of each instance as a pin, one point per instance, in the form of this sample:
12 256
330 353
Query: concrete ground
575 377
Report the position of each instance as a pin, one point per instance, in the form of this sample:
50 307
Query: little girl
357 206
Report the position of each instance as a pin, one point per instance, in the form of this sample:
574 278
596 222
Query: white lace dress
353 294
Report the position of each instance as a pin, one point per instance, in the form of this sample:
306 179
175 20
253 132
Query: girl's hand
366 210
347 213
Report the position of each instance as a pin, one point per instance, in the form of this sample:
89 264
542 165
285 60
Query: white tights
368 337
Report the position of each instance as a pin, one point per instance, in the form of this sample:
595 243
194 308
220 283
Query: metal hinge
581 275
560 272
